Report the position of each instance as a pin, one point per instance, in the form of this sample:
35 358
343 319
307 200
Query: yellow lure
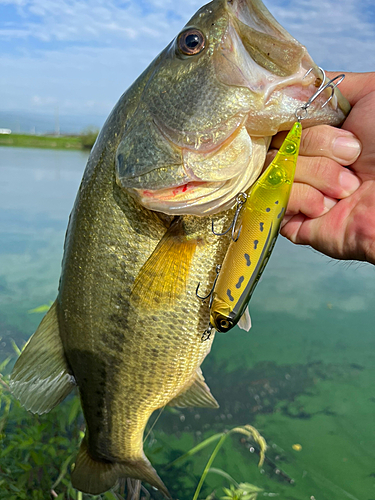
259 225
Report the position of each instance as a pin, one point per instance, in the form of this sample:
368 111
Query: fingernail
349 182
329 203
346 148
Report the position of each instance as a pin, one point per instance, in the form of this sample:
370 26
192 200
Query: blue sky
81 55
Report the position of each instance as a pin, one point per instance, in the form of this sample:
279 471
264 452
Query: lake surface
304 375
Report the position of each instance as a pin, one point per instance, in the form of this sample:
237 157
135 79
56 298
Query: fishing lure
248 254
259 215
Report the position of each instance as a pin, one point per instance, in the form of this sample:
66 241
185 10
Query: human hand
332 208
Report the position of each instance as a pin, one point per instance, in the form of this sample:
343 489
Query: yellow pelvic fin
41 378
162 279
197 394
96 477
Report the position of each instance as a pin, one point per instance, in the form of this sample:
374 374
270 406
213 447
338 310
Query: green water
304 374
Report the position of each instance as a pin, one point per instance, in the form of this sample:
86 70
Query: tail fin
95 477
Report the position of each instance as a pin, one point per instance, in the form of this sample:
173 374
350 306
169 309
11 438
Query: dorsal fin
197 394
162 279
41 378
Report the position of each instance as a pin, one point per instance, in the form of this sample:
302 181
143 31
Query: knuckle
316 139
308 139
322 167
311 201
322 173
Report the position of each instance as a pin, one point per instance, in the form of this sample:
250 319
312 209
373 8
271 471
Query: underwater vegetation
37 454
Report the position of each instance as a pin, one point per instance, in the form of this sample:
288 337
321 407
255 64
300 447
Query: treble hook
302 111
207 333
323 76
218 267
241 200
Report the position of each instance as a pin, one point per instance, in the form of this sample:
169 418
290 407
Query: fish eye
191 42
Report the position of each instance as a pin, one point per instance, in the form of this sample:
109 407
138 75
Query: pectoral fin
40 379
245 320
198 394
162 279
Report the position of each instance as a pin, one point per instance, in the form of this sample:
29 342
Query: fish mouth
258 53
193 198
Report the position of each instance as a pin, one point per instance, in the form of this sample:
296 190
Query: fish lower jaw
195 198
192 198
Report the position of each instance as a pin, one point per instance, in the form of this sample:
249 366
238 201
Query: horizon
45 123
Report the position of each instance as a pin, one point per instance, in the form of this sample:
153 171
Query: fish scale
150 391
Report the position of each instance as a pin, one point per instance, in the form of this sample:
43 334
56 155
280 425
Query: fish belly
128 357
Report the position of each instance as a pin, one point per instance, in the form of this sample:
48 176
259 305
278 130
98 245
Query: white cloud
71 78
77 52
43 101
13 2
337 38
100 21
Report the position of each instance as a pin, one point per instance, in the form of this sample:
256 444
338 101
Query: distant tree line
88 137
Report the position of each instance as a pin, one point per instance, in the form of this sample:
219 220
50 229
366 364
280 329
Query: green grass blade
40 309
64 470
209 463
250 488
16 349
3 383
222 473
197 448
252 432
4 364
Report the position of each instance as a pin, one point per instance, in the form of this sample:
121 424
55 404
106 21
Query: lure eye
191 42
224 324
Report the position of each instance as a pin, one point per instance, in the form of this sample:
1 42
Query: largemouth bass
188 136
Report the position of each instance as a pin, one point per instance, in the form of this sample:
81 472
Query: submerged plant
248 430
245 491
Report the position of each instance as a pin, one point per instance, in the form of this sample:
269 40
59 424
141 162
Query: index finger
322 140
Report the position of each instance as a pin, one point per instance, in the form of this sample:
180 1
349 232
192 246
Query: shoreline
78 142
